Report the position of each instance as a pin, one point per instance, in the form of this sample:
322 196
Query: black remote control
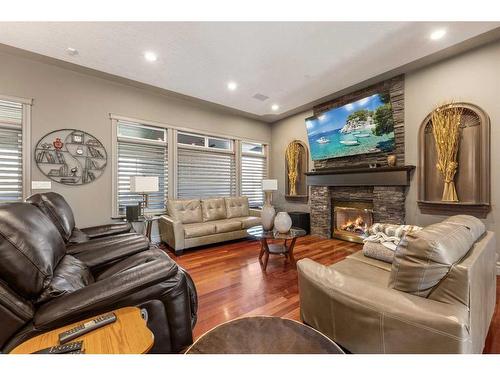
86 327
71 347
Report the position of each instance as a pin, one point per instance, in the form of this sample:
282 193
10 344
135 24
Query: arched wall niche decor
70 157
296 165
472 179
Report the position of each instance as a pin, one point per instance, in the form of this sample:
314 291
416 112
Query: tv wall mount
71 157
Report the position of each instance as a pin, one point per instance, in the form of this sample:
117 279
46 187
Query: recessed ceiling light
71 51
438 34
275 107
150 56
232 86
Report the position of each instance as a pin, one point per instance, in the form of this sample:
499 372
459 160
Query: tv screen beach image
361 127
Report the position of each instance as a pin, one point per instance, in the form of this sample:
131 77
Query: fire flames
357 225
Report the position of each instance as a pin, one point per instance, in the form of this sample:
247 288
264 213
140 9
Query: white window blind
138 157
253 171
203 173
11 151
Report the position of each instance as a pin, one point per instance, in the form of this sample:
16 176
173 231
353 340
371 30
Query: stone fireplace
374 195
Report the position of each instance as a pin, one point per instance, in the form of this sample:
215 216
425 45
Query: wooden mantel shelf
382 176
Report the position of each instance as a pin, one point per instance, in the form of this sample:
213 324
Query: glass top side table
267 248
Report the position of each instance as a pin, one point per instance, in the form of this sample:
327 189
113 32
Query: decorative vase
282 222
391 160
267 216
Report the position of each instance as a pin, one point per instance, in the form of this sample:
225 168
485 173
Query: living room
328 190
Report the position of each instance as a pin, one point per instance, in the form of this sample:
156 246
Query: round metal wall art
71 157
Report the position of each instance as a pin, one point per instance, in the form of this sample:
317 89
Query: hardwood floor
231 283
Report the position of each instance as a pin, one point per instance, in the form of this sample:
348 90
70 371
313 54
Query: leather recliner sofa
194 222
60 213
43 287
437 296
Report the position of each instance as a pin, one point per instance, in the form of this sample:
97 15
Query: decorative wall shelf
70 157
472 179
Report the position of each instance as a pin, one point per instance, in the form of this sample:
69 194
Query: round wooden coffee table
263 335
267 248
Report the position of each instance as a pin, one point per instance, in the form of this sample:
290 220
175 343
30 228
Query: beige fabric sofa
437 296
194 222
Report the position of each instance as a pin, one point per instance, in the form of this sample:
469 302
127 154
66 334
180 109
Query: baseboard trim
498 269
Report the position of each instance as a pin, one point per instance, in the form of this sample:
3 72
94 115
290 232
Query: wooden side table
127 335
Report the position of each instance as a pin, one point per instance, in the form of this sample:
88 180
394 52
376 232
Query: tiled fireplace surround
388 204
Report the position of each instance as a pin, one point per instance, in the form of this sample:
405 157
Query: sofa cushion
198 230
228 225
30 248
213 209
472 223
185 210
236 207
70 275
249 221
423 258
57 210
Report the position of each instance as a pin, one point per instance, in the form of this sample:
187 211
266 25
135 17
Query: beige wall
68 99
472 77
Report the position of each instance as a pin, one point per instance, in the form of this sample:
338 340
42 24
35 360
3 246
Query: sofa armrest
103 295
365 317
107 230
254 212
172 232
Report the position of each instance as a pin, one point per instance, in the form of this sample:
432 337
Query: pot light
150 56
438 34
275 107
231 86
71 51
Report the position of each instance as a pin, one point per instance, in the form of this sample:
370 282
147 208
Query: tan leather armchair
357 304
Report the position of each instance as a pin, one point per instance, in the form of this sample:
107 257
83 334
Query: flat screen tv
361 127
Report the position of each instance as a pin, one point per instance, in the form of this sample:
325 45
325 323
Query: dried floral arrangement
292 154
446 130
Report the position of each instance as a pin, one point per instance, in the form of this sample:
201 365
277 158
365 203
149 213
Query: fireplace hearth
351 220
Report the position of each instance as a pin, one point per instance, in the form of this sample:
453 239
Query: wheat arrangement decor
446 130
293 153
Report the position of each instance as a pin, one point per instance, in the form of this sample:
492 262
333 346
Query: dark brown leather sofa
45 284
55 207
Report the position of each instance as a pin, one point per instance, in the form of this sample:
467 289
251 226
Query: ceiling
292 63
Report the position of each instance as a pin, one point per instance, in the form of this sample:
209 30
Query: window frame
172 144
26 140
115 206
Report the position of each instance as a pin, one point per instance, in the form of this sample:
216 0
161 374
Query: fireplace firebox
351 220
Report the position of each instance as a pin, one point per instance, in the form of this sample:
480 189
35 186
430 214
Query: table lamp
268 211
144 185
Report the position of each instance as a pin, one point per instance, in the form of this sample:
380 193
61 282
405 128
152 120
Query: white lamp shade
269 185
144 184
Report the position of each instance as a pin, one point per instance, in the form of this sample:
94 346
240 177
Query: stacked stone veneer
388 204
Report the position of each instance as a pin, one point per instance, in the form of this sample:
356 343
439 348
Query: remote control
86 327
71 347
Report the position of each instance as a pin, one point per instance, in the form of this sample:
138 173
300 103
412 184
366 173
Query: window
207 171
11 151
191 139
253 171
142 151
